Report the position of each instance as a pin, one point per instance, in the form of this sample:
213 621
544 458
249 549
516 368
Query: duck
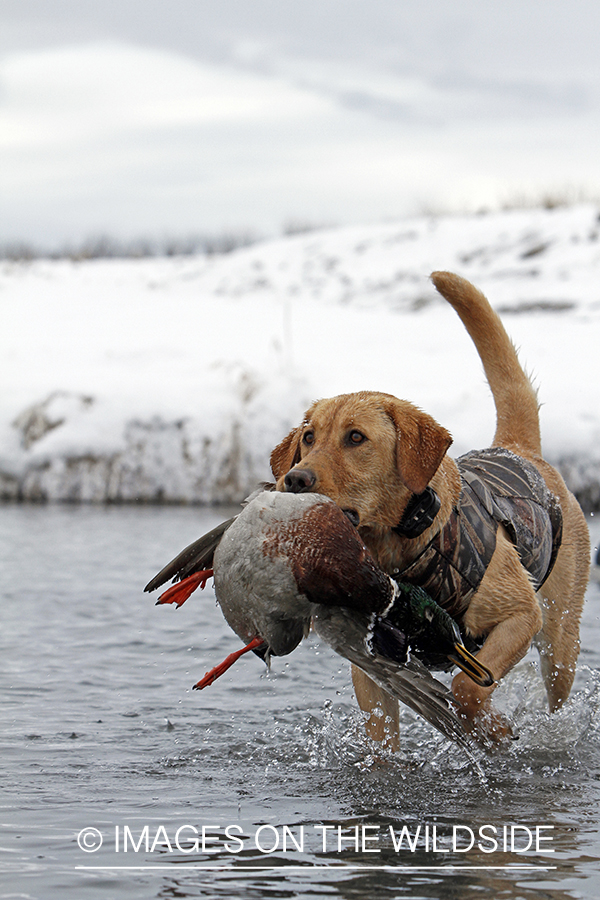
291 560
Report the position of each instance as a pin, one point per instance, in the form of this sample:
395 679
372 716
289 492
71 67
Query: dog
385 463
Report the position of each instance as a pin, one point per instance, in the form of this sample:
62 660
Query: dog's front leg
504 647
383 722
507 610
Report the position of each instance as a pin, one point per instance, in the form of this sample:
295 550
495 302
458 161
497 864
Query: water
100 729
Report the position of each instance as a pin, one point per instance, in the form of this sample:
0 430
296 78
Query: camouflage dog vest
498 488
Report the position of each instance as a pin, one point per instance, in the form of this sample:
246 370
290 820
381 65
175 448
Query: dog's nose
299 480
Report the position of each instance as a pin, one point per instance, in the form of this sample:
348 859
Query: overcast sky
170 117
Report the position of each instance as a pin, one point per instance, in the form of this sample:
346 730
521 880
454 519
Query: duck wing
410 682
415 686
198 556
194 558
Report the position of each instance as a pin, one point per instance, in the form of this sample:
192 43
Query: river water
119 781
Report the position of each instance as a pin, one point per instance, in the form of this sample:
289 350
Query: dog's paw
490 727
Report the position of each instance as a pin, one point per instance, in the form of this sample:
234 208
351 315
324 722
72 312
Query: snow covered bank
172 379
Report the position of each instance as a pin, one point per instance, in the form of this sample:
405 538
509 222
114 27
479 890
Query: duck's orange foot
226 664
179 592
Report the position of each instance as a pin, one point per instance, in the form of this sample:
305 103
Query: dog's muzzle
298 481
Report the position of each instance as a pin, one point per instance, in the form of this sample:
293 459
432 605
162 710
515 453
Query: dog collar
419 514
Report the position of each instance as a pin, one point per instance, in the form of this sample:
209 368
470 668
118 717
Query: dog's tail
517 408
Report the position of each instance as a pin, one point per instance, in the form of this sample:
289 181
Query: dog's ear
421 445
286 454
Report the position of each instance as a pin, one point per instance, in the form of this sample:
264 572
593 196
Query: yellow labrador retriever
495 537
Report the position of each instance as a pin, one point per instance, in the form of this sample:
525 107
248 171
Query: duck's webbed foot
179 593
217 671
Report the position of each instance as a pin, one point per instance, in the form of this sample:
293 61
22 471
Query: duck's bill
215 673
471 666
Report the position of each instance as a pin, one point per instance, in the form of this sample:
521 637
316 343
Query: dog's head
367 451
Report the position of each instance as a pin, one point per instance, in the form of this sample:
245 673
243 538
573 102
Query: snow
172 379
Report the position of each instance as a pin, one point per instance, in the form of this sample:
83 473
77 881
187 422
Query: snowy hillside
172 379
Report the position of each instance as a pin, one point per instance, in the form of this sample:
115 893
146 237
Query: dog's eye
308 437
356 437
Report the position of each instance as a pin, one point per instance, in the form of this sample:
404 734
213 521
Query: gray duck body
289 559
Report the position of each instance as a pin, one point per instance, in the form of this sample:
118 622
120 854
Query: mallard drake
289 559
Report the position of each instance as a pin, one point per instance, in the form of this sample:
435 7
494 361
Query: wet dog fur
370 452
